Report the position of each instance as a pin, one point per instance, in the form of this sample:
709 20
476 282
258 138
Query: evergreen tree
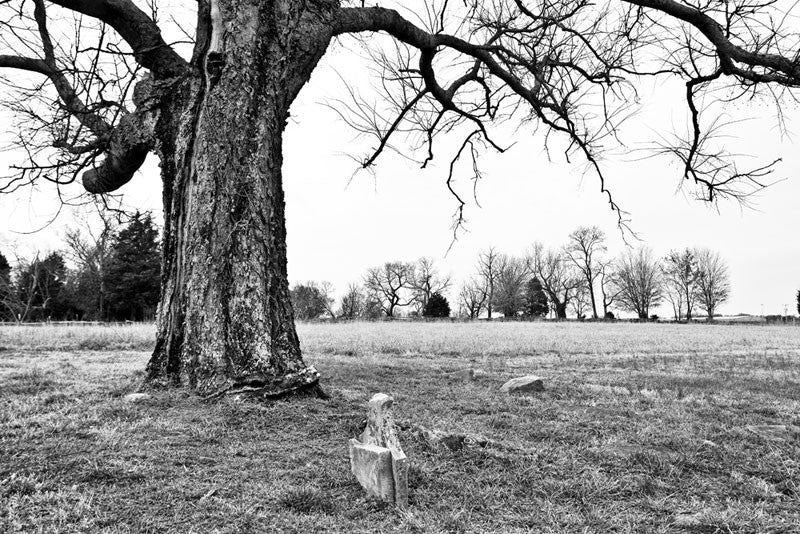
437 306
535 299
133 276
5 288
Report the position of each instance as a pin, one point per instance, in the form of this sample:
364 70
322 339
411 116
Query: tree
40 289
6 290
352 303
437 306
609 290
535 299
798 301
427 281
90 251
215 116
637 281
681 276
509 293
558 276
490 265
309 300
391 286
472 298
133 273
713 282
583 248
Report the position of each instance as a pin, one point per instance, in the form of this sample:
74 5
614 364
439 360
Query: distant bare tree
391 285
427 281
609 290
583 248
713 282
473 297
581 302
90 250
509 293
681 277
638 281
558 275
490 264
352 303
311 300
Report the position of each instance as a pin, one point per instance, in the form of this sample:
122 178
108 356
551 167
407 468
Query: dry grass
642 428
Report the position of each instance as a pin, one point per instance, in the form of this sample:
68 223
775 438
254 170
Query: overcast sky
340 224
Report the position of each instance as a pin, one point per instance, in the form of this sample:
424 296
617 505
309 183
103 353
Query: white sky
338 227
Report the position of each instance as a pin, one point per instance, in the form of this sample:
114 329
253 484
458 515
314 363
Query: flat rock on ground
136 397
523 384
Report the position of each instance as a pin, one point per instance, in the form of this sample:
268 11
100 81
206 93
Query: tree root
305 383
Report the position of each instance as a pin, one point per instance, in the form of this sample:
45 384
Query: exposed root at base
305 382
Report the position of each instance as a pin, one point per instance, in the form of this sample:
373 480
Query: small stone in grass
136 397
523 384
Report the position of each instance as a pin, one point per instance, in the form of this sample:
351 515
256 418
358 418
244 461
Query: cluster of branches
570 68
581 277
106 274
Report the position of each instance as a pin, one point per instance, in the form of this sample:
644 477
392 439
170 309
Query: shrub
437 306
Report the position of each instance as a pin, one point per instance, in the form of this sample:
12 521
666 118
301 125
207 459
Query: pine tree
535 299
5 288
437 306
133 278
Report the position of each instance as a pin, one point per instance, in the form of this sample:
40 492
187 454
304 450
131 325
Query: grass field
641 428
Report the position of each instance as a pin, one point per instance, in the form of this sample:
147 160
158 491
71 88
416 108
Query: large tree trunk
225 322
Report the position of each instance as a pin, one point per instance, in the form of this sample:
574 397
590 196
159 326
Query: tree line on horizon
109 275
579 278
114 275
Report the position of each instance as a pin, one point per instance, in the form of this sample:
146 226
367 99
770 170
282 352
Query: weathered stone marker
376 458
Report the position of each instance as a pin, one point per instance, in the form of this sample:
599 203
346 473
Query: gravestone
376 458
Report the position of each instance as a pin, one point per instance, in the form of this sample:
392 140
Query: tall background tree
535 299
6 290
473 297
90 251
490 265
558 276
436 307
638 282
584 247
309 301
426 281
713 281
215 114
133 274
681 276
509 292
40 288
391 286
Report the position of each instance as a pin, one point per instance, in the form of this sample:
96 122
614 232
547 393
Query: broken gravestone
376 458
523 384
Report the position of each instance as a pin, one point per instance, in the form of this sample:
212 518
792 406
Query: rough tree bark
225 321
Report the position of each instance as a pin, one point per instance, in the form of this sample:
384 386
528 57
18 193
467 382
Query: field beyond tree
641 428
